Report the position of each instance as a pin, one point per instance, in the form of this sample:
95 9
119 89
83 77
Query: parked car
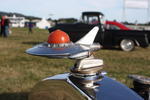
114 25
125 39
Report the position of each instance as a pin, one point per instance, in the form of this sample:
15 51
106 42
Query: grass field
19 72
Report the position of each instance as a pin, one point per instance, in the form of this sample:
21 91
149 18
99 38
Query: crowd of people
5 26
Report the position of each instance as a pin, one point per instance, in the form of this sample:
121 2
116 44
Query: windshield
93 19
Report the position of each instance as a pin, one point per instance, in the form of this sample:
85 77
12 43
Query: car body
126 39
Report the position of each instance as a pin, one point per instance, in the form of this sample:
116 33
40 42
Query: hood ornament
86 68
85 81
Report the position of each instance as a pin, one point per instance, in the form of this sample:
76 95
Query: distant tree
67 20
49 19
128 23
148 23
125 23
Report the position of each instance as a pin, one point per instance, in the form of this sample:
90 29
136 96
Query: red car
116 25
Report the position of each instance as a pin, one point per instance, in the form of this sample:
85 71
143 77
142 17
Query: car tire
127 45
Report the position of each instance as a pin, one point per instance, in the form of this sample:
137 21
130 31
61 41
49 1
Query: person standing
30 25
6 25
2 23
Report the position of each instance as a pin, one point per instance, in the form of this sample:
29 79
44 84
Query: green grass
19 72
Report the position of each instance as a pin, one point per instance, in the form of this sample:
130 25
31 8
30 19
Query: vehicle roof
92 13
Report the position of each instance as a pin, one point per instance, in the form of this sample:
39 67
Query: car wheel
127 45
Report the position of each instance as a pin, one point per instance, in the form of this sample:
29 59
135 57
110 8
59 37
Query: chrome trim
57 77
71 83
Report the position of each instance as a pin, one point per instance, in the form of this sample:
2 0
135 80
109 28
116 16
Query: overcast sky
113 9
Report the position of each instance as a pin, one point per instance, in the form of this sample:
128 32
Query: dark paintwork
107 38
112 89
60 85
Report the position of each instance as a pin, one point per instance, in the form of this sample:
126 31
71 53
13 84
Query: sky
112 9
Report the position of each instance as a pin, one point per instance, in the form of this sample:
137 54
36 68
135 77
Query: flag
136 4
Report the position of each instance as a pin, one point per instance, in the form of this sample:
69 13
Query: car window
112 27
91 19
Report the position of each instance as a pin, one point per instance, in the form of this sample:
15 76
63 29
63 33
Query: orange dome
58 37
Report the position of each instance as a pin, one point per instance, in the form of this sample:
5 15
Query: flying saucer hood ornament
60 46
85 76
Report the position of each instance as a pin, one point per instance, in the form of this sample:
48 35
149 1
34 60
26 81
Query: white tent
17 21
43 24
